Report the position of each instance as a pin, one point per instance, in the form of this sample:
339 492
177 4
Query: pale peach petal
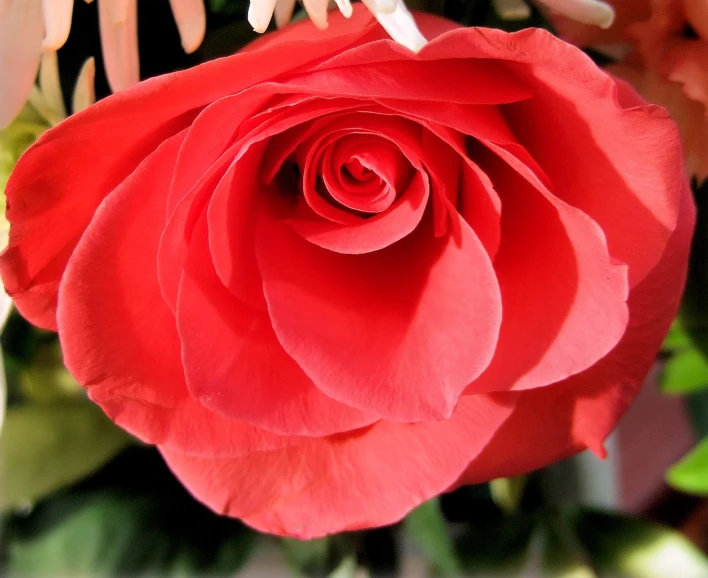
385 6
400 25
345 7
284 12
687 63
512 9
627 12
4 7
50 85
688 114
593 12
57 22
697 15
317 11
191 21
119 41
259 14
84 90
21 34
118 11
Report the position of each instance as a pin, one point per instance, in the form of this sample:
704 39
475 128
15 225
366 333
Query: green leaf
507 492
691 473
677 338
555 552
119 533
426 527
46 447
694 306
497 547
697 408
628 547
307 557
46 379
685 372
346 569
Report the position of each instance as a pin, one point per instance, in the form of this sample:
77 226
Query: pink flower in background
663 46
28 27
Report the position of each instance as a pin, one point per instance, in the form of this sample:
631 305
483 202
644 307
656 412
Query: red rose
331 278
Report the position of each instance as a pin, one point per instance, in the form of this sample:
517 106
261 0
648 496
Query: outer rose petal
33 263
348 481
389 331
560 125
550 254
111 344
554 422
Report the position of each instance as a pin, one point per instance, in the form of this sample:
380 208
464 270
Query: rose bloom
663 45
331 278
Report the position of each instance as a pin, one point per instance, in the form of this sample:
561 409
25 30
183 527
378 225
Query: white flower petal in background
261 11
399 24
50 84
84 90
317 11
190 17
57 22
21 36
512 9
593 12
118 21
283 12
393 16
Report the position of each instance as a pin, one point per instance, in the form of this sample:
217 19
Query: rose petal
336 483
33 264
401 365
112 350
476 81
558 256
234 364
553 422
570 110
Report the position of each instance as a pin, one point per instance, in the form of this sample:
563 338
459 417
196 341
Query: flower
44 109
593 12
391 14
664 64
28 27
331 278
